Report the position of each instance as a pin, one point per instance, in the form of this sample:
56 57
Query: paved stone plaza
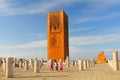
97 72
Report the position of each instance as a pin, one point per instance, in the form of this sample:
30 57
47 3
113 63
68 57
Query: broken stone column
32 63
4 65
111 63
80 65
9 67
75 63
88 64
72 63
92 62
85 64
20 64
0 61
48 62
42 61
67 61
23 63
36 66
115 60
35 58
15 62
26 65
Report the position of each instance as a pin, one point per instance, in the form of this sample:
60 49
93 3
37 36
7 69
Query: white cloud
74 41
106 3
81 29
29 50
111 50
38 35
27 54
33 44
3 5
46 5
97 18
76 53
92 11
34 49
86 40
39 7
101 4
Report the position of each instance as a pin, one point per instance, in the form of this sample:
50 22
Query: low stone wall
111 63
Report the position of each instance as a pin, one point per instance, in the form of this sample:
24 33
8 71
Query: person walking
56 65
60 65
51 65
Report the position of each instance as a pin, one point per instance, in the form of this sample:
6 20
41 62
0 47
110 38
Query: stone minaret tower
58 42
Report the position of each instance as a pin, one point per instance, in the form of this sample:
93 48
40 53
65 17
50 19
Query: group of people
54 65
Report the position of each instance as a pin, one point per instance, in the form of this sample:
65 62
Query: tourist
60 65
51 65
56 65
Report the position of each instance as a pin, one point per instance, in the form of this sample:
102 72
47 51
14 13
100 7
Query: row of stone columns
74 63
9 63
85 64
36 64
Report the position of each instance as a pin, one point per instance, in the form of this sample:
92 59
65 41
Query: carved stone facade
58 45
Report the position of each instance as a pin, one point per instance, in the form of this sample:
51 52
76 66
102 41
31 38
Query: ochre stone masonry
58 35
101 58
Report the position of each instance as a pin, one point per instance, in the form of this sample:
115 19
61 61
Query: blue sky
93 27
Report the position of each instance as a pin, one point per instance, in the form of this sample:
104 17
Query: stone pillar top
115 51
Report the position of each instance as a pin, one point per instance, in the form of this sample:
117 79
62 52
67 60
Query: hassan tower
58 41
